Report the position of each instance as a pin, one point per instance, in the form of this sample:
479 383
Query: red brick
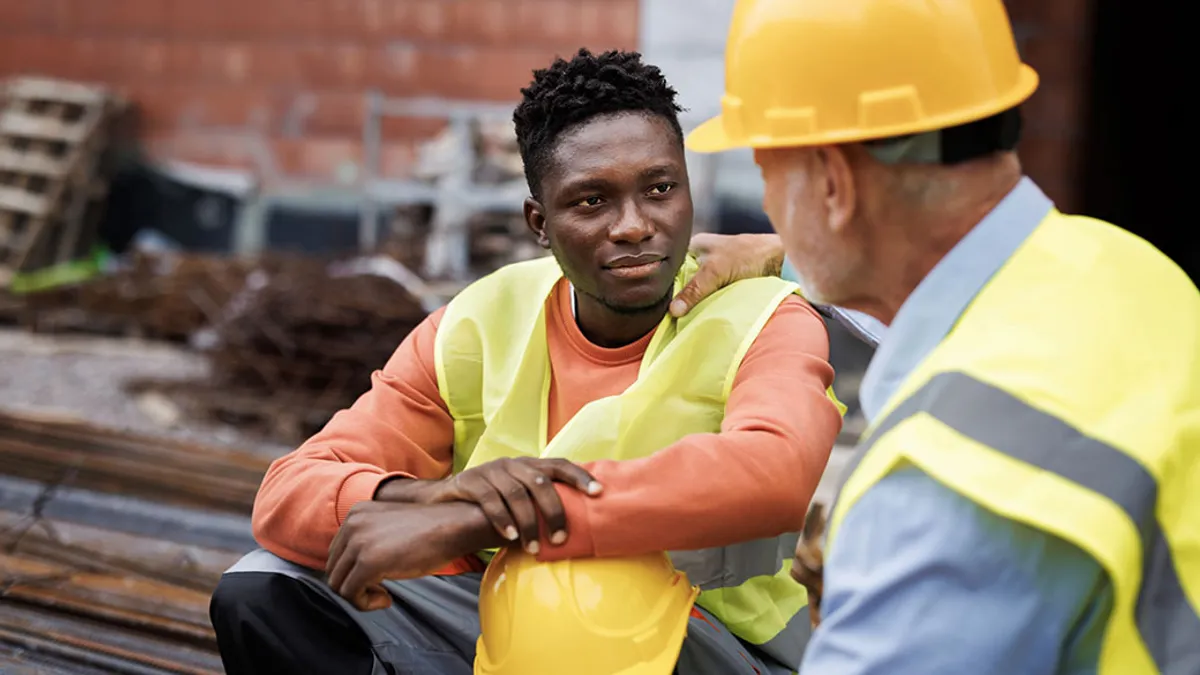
140 59
84 58
112 17
288 19
302 113
612 24
430 19
482 21
388 20
396 160
209 19
187 108
373 21
409 129
315 157
188 61
397 68
216 150
352 19
342 66
274 20
33 54
242 62
495 74
18 15
343 114
510 23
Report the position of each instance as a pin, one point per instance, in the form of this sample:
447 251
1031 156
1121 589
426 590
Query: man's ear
535 219
840 198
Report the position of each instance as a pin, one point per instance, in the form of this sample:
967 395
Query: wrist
775 254
403 490
469 528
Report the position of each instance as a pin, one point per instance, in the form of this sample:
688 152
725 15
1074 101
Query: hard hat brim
711 136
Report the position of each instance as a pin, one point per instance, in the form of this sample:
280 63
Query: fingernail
539 480
533 548
558 537
593 488
511 533
678 307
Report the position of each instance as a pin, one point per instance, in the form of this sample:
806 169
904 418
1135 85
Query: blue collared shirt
923 580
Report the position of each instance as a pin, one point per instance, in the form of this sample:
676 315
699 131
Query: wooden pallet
53 138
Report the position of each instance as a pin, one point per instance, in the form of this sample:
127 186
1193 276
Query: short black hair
571 92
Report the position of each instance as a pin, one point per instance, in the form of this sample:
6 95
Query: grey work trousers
272 616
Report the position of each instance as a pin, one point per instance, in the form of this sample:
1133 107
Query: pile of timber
156 296
290 339
56 158
298 342
111 544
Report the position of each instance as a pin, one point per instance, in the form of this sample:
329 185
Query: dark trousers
272 617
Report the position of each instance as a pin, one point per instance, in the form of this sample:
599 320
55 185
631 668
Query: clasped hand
414 527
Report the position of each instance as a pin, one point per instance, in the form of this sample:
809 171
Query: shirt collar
927 316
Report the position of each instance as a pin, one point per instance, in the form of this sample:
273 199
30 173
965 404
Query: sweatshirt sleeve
399 427
754 479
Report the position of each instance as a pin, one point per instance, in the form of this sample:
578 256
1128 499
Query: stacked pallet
54 160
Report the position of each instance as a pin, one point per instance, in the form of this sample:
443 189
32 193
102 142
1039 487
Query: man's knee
245 594
267 622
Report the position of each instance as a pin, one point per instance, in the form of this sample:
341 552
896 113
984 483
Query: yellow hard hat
840 71
590 616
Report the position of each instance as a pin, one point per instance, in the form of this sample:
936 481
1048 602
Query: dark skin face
616 211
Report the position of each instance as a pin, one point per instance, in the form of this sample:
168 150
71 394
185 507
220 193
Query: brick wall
1054 38
218 81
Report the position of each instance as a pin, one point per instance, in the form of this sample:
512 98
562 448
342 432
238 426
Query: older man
1025 499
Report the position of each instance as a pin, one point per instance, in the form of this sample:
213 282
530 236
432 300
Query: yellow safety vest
1067 398
493 373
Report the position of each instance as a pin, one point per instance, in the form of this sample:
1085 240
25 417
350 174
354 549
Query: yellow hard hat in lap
812 72
593 616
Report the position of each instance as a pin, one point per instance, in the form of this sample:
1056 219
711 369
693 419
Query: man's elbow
274 531
795 494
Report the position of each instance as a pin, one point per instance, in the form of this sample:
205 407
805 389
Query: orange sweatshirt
752 480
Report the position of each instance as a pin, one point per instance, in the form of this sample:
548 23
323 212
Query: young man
555 406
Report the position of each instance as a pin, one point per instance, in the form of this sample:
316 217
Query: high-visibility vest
493 373
1067 398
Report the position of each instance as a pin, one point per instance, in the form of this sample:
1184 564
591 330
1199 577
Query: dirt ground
84 377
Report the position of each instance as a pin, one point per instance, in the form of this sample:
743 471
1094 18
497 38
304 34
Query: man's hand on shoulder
511 493
725 259
388 540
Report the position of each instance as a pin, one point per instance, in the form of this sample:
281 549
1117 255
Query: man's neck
925 237
606 327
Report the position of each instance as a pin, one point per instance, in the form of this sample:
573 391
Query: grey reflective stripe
788 646
732 566
1166 620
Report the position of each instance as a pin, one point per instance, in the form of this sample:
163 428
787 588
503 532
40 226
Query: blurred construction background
217 218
